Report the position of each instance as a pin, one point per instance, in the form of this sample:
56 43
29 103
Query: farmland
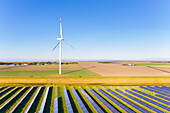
80 99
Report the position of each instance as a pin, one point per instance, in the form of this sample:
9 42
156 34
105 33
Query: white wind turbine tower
60 39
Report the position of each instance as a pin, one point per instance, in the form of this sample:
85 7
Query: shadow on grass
72 71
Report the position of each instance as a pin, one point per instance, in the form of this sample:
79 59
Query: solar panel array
145 99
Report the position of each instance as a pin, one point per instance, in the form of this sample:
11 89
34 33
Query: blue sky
98 29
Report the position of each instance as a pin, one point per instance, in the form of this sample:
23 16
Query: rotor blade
56 45
69 44
61 35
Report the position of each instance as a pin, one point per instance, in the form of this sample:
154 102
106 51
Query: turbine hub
59 38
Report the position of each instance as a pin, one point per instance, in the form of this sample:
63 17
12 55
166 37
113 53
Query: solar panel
127 101
159 89
149 100
117 102
139 101
98 109
56 103
150 89
70 110
150 96
29 106
83 108
108 105
44 100
21 100
11 96
163 88
160 96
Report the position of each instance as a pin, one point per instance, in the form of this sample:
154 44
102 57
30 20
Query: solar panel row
129 102
108 105
98 109
56 102
159 90
44 100
149 100
29 106
140 101
153 90
152 97
83 108
70 110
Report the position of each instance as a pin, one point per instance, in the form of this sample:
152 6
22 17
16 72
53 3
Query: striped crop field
84 99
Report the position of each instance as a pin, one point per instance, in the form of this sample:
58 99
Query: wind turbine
59 43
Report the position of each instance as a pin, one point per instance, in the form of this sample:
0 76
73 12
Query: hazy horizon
78 60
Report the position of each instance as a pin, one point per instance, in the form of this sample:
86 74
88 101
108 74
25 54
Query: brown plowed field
111 69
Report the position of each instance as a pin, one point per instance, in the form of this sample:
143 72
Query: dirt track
119 70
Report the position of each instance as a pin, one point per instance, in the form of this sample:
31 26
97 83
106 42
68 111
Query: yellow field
85 80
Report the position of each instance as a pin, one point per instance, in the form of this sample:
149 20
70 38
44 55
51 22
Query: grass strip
100 104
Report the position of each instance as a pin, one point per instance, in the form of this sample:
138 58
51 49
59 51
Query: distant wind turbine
60 39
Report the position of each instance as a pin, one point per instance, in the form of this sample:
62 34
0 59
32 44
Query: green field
49 73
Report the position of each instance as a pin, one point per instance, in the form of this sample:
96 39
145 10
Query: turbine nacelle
60 39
